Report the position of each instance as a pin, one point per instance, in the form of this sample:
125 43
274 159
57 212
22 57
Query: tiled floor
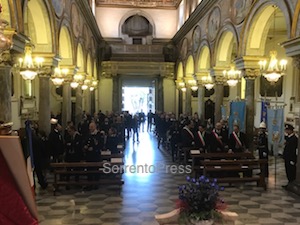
145 194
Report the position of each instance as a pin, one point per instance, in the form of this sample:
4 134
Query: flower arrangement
199 200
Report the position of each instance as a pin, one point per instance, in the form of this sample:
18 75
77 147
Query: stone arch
257 24
189 67
204 56
65 46
140 13
89 68
296 22
204 61
80 59
226 47
38 25
180 74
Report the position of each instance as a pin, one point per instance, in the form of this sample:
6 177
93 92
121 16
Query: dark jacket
291 144
234 145
74 148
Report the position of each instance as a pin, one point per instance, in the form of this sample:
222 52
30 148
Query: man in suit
290 153
237 140
187 135
202 138
217 144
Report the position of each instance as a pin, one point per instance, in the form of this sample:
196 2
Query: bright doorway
137 99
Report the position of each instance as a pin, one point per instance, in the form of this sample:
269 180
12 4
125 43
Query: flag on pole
275 129
237 115
29 154
264 111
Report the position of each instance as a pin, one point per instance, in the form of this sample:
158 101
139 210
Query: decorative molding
113 68
251 74
163 4
6 59
296 61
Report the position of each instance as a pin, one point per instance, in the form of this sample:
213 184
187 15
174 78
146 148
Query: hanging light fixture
273 69
59 76
94 85
28 66
193 84
232 76
77 80
207 82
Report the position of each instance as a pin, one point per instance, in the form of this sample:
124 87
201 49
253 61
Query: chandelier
193 84
232 76
28 66
77 80
274 70
94 85
59 76
207 82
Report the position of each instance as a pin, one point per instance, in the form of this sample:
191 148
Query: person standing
290 153
237 140
262 146
56 142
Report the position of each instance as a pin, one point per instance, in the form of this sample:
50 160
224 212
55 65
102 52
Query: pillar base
294 187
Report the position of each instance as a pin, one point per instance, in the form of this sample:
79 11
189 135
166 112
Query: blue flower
188 178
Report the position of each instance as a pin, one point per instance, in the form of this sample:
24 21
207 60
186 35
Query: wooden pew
198 158
85 168
241 166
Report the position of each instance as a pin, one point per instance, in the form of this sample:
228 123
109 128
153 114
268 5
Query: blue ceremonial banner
264 111
237 115
275 129
224 113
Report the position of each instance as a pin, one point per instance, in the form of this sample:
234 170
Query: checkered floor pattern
146 193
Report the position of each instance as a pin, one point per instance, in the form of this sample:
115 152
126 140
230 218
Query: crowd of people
101 132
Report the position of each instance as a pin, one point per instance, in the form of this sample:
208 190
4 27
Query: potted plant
199 201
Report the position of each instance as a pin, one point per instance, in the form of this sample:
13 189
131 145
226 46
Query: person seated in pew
217 136
237 141
73 148
202 139
112 141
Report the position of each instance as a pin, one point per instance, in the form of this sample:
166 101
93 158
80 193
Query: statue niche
138 30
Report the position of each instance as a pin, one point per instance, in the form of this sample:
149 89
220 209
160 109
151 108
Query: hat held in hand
53 121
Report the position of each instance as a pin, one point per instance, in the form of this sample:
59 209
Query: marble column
116 105
44 100
188 101
160 94
201 104
5 90
78 105
180 100
87 101
250 76
219 95
66 104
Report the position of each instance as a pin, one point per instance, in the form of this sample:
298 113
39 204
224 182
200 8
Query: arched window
137 30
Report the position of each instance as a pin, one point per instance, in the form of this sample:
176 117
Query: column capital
217 73
46 71
251 74
296 61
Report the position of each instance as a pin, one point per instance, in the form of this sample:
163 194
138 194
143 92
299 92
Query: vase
202 222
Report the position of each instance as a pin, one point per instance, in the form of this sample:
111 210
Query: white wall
105 95
169 95
109 19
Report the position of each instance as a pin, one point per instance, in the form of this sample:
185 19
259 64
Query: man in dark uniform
237 140
56 142
92 147
290 153
262 145
187 135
